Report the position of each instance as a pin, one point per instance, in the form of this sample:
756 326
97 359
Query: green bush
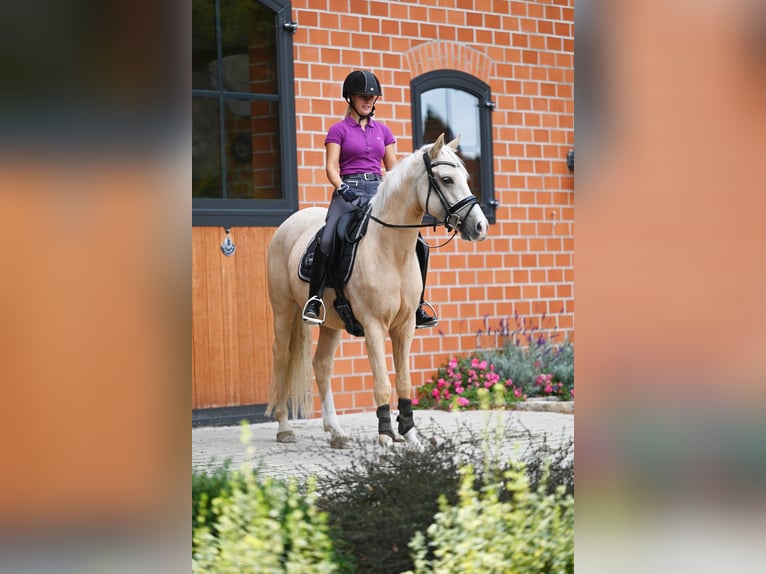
209 485
260 525
533 533
524 364
376 506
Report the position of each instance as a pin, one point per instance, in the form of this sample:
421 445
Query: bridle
452 218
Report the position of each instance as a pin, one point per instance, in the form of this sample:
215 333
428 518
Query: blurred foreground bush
260 525
531 534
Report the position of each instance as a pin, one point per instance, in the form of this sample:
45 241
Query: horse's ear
437 147
454 143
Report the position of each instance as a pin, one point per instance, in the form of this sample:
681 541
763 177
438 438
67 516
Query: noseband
451 217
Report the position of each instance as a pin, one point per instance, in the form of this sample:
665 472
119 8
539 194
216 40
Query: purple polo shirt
361 151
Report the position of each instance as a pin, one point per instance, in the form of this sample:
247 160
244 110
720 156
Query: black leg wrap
405 419
384 420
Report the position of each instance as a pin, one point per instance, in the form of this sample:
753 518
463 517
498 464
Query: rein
451 219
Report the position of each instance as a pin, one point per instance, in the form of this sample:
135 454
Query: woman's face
363 103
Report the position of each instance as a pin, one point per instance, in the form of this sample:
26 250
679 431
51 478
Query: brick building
267 87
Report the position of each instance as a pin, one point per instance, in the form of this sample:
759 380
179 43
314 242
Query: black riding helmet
361 82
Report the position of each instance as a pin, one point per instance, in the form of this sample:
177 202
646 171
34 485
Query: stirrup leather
312 320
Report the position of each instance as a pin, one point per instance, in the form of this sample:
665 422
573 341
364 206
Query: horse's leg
329 339
374 340
283 324
401 341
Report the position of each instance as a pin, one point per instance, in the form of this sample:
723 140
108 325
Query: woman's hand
347 193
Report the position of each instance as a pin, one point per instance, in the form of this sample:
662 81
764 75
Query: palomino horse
384 290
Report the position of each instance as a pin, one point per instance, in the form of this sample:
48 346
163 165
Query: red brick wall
524 51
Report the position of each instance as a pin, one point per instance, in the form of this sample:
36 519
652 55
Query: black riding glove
347 193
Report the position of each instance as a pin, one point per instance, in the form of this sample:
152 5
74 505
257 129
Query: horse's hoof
286 436
413 442
339 441
385 441
398 437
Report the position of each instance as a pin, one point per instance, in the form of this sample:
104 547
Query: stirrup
312 320
434 317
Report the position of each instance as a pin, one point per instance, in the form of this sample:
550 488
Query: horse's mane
402 170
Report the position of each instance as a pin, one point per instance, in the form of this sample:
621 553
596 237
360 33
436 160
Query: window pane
203 43
455 112
248 36
206 150
247 32
253 162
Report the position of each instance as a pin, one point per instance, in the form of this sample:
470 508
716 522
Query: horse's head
446 195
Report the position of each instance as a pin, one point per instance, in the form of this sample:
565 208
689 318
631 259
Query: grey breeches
338 206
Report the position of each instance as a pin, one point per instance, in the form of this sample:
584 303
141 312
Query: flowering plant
462 383
548 388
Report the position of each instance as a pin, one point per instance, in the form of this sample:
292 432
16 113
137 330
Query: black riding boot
422 319
313 310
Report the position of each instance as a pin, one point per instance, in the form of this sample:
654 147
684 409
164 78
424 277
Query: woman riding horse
355 148
383 290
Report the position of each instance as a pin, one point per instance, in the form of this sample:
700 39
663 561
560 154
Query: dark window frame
263 212
458 80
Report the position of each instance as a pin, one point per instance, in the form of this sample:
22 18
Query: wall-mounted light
570 159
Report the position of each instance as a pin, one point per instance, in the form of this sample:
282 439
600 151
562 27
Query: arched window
457 103
243 113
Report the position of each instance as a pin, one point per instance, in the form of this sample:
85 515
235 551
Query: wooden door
231 318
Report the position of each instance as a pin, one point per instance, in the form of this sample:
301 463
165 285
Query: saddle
351 228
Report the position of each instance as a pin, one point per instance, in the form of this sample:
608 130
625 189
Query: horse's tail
297 378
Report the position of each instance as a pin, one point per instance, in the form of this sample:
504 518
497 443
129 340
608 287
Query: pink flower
415 401
543 380
440 383
453 363
517 393
463 402
572 393
474 362
483 365
435 393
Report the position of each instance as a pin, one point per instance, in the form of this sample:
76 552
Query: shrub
207 486
539 368
376 506
261 526
460 383
531 534
524 364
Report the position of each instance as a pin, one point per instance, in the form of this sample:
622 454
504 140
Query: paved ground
312 453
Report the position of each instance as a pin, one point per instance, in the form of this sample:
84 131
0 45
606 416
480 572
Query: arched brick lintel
440 55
